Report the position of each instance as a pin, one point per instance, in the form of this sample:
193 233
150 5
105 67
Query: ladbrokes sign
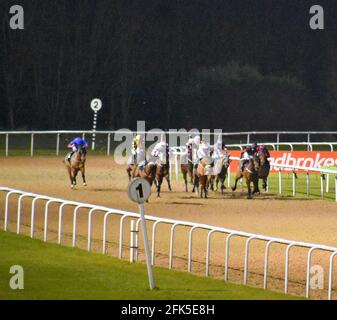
315 159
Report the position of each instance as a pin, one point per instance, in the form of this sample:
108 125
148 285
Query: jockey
263 149
254 147
161 151
219 149
136 149
193 144
74 144
245 156
204 150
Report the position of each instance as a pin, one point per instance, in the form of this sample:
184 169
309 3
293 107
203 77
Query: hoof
249 197
84 184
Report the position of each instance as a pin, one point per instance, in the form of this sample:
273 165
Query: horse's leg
256 185
236 181
185 180
74 175
216 183
70 176
249 189
264 185
83 176
191 175
159 182
128 170
168 182
196 184
222 185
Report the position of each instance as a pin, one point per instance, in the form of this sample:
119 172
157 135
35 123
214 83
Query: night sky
235 65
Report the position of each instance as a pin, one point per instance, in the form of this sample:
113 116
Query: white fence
324 173
245 136
92 209
275 146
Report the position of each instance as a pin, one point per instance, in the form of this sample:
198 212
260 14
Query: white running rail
92 209
247 136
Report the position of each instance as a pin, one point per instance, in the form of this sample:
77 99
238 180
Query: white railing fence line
247 136
180 151
174 224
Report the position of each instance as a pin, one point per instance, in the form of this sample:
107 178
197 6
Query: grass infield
56 272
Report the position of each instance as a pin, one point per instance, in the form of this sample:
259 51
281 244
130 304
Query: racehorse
162 171
148 172
250 173
264 168
76 164
223 163
187 167
203 176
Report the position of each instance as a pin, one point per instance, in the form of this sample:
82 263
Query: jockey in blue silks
74 144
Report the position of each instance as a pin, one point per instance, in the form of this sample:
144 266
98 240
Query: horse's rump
204 171
206 161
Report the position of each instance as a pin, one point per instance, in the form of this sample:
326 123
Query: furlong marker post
96 105
139 190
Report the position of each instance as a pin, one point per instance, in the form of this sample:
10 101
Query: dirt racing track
295 219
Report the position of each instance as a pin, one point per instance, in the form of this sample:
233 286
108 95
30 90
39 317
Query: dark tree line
231 64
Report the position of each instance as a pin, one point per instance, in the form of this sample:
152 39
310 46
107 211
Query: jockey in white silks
204 150
161 151
193 144
219 149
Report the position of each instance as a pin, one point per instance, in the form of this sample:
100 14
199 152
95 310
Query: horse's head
226 160
82 153
262 157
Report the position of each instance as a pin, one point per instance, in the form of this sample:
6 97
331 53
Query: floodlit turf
56 272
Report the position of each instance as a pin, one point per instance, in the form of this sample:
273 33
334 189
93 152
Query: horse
76 164
250 172
264 168
162 171
187 167
148 173
203 176
223 163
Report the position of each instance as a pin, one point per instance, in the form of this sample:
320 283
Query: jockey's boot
69 155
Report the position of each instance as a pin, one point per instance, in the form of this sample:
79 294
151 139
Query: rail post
132 240
58 144
307 183
32 144
279 181
294 183
7 138
322 185
109 144
336 187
